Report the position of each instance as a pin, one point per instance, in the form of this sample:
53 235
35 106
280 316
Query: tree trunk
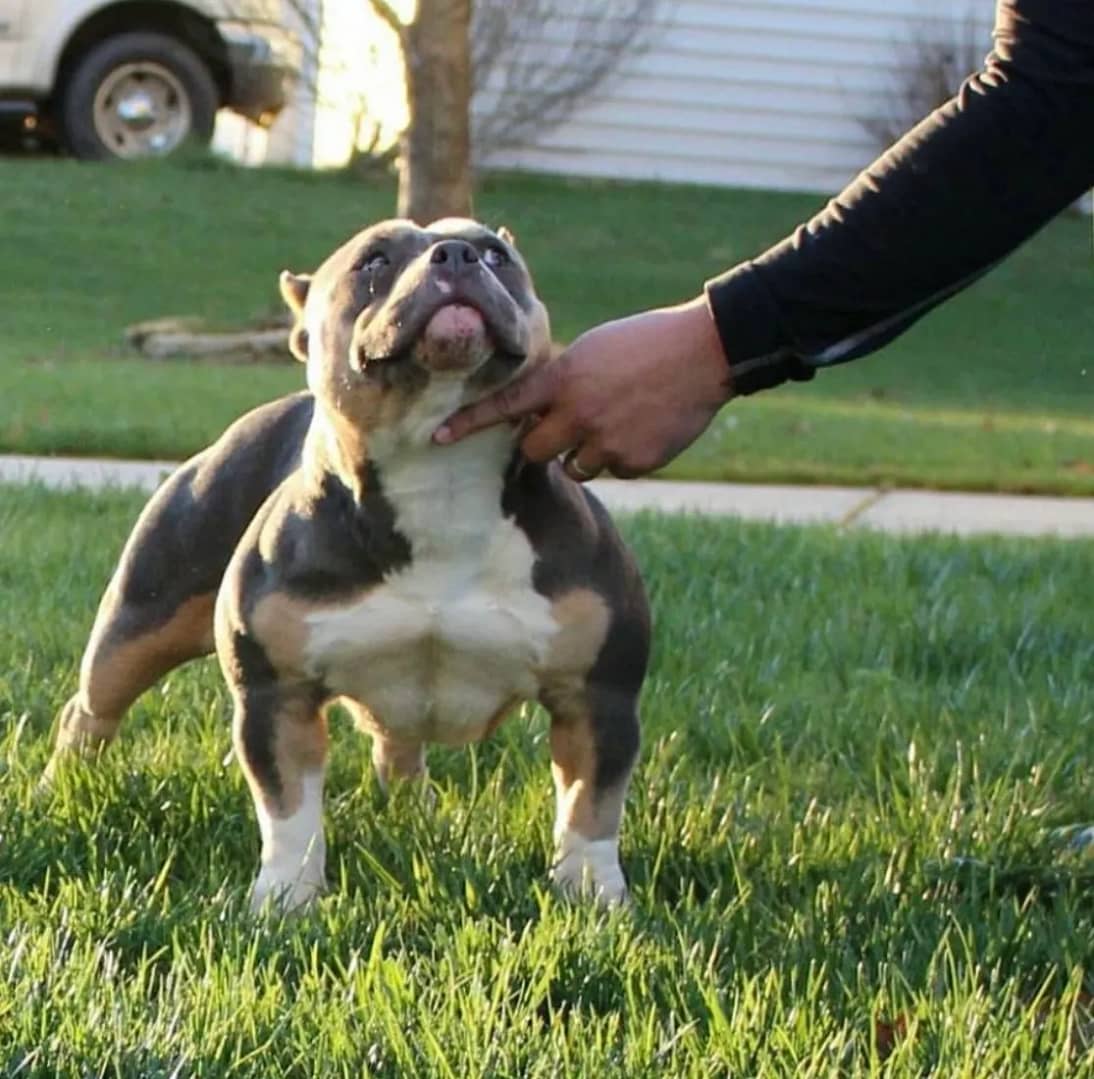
435 151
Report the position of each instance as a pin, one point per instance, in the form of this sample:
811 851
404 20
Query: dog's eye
495 256
373 261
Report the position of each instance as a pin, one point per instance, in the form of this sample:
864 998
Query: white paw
589 868
294 852
274 893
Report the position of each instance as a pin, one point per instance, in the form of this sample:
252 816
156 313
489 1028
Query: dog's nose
453 251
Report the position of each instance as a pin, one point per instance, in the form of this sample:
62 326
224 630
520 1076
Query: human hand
626 397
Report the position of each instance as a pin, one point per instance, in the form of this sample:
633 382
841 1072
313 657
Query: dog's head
401 314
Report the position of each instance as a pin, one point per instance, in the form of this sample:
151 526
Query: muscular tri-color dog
330 551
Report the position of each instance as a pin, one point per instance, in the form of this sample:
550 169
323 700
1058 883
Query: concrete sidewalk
853 507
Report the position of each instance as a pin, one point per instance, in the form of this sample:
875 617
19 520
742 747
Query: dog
330 551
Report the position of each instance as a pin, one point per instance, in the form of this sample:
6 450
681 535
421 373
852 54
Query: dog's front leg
594 743
280 739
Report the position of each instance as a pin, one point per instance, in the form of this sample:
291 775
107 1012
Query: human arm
956 194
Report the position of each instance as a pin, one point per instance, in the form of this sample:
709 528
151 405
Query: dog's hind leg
130 647
156 613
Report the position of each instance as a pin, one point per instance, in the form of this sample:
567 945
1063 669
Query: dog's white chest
444 644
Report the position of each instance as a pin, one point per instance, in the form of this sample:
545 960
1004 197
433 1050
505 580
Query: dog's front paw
278 895
589 868
290 880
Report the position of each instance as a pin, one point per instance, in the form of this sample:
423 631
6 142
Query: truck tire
137 95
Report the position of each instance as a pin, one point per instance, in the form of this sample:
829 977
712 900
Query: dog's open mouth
457 330
455 322
457 338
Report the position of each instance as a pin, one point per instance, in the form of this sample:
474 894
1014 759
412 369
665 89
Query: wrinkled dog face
400 308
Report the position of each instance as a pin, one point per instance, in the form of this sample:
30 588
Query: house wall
755 93
750 93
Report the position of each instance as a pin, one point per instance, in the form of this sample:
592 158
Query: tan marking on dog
80 730
299 736
581 808
583 619
392 758
347 414
333 445
112 676
363 719
300 745
277 623
543 349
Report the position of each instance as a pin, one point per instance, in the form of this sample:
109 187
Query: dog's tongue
454 321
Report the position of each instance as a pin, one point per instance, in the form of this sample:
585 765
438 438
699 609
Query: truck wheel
137 95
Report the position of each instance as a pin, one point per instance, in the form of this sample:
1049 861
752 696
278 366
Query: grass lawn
841 841
994 392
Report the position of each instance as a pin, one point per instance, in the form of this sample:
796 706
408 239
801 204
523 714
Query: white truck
137 78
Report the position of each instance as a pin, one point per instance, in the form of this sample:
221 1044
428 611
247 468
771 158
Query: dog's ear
507 235
294 291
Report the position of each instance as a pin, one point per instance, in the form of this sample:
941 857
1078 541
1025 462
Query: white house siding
755 93
291 139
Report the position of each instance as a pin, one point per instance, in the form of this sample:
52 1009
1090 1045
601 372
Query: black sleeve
960 191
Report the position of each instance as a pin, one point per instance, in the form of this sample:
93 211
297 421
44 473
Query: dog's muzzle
448 312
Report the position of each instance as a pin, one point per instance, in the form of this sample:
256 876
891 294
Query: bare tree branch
930 64
387 13
536 61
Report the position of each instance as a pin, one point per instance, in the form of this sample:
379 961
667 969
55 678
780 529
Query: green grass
831 724
993 392
774 438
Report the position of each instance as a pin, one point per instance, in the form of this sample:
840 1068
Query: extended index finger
517 399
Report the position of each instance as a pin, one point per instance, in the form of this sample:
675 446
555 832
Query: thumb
517 399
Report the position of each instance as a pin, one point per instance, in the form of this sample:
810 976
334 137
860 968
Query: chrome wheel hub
141 110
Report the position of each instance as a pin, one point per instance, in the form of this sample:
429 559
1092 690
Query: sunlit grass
784 438
858 753
90 250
